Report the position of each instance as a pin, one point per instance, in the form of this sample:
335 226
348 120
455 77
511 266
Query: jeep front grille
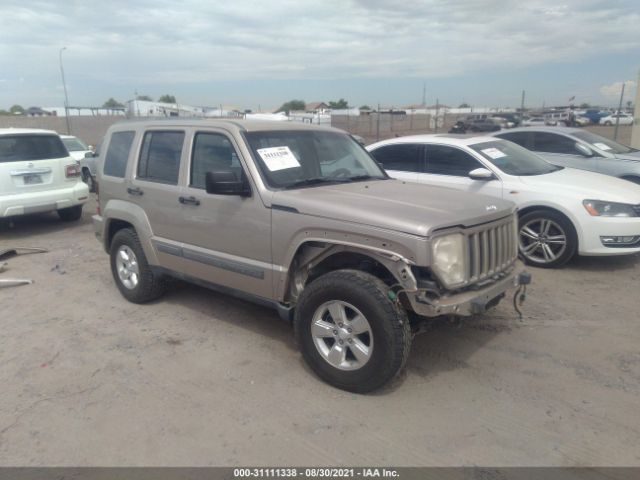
491 250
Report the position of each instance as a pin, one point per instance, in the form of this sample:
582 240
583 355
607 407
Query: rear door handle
134 191
189 201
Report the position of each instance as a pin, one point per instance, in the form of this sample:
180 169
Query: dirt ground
199 378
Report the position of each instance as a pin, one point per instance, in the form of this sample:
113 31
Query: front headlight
599 208
448 258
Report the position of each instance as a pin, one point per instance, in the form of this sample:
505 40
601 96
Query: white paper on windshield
494 153
278 158
602 146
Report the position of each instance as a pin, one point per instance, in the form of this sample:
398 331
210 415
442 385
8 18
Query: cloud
150 43
613 90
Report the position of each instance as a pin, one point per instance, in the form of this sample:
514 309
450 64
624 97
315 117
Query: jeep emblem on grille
491 207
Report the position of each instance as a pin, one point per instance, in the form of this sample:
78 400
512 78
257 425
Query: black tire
388 322
70 214
89 180
150 285
560 225
608 123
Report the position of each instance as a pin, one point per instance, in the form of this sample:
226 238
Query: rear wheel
70 214
349 331
547 239
89 180
135 279
608 123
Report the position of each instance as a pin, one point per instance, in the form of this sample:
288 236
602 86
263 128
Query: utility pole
522 108
635 128
437 109
66 97
378 124
615 131
424 93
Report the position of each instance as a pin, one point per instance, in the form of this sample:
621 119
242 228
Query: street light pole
66 97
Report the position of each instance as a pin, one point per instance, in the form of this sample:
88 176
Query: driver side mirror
90 155
483 174
224 182
584 150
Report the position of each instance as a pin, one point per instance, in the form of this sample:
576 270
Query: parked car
81 152
301 218
620 118
576 148
482 125
37 174
511 119
533 122
562 211
557 119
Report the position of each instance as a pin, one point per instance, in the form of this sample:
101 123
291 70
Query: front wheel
608 123
547 239
350 333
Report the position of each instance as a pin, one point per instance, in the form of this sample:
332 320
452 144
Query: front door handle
189 201
134 191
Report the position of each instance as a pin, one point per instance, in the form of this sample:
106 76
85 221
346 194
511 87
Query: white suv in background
37 174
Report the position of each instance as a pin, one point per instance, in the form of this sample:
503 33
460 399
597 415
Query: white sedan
562 211
622 118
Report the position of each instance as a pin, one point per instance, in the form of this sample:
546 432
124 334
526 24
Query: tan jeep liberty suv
301 218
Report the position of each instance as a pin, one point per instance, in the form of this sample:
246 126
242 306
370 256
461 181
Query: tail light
72 171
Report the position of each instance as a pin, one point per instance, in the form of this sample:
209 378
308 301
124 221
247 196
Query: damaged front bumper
469 302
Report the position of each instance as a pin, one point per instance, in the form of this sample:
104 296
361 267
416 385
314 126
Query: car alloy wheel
342 335
542 240
127 267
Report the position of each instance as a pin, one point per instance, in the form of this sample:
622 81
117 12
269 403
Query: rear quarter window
115 162
16 148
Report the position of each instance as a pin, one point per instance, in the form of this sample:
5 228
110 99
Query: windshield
290 159
14 148
74 144
513 159
602 143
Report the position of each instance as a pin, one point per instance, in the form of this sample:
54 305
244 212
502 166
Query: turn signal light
72 171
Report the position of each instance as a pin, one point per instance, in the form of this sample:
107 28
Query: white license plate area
32 179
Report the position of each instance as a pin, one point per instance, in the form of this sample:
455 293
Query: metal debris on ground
10 253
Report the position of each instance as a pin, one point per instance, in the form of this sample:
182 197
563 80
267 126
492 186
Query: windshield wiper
313 181
358 178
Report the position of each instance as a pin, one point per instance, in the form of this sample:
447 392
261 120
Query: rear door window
160 157
16 148
400 157
115 162
521 138
553 143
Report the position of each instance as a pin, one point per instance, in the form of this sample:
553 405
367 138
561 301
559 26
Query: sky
259 54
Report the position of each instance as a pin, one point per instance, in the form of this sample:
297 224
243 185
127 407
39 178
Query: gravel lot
203 379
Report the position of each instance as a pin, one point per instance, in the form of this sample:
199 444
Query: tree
584 105
144 98
464 105
4 112
629 104
167 99
365 107
339 105
293 105
112 103
16 109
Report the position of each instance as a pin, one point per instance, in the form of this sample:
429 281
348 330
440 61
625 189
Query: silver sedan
578 148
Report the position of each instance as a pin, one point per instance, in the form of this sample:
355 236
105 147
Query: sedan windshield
602 143
74 144
296 159
512 159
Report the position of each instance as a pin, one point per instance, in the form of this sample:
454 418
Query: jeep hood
394 205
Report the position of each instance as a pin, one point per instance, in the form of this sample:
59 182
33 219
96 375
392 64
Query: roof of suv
26 131
238 125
